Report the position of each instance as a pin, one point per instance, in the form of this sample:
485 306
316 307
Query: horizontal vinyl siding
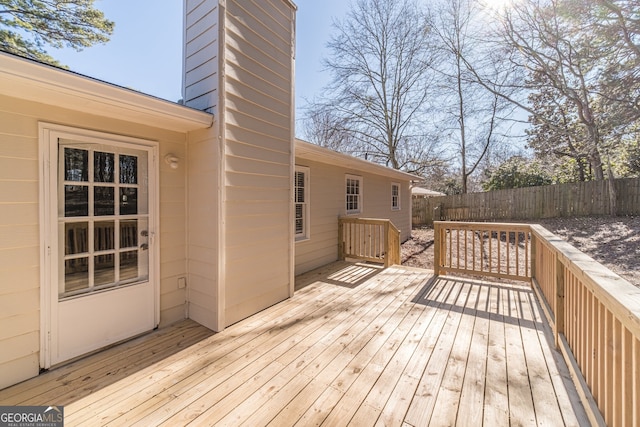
258 124
203 234
19 246
173 262
377 203
327 204
201 54
19 226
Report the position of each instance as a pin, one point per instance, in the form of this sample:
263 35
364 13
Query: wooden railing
376 240
593 312
486 249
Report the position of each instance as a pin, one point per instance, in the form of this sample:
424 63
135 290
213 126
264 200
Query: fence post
559 286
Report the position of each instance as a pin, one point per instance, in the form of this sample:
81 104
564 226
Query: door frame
49 134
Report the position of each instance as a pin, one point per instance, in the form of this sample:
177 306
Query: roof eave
25 79
309 151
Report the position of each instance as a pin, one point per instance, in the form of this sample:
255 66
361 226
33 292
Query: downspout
187 240
222 194
292 244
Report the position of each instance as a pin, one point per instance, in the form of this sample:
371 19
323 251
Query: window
103 216
395 197
354 194
301 196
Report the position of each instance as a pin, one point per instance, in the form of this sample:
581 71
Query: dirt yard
614 242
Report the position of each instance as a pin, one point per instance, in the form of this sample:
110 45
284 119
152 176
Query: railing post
436 247
394 246
387 241
559 286
532 261
341 256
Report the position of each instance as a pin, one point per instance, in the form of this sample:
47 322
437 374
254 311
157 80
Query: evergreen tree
28 26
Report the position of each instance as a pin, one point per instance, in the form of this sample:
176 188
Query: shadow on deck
357 344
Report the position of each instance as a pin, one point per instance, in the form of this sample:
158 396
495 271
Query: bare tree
380 57
469 111
553 55
567 74
614 27
323 127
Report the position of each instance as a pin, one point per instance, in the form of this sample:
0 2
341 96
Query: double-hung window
353 194
395 196
301 201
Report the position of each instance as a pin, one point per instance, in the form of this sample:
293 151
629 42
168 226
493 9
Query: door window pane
128 265
98 248
76 165
76 274
103 201
104 236
128 201
103 167
76 238
128 169
129 234
76 200
105 272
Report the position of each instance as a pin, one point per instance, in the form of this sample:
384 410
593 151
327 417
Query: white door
101 244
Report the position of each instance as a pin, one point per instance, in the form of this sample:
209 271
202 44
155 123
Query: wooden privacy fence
594 313
376 240
563 200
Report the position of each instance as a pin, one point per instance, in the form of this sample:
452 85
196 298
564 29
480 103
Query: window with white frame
301 201
395 196
353 194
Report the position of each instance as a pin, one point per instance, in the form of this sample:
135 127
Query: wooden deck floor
357 345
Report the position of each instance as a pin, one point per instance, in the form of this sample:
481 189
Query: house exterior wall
200 54
238 64
257 118
19 230
203 177
327 203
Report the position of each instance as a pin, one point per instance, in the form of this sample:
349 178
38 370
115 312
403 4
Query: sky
145 50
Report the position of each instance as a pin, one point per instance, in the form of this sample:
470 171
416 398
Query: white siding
258 150
203 259
19 226
327 199
19 246
201 37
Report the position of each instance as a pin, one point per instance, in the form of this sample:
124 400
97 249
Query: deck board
358 344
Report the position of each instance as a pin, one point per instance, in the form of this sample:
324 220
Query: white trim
48 135
399 205
221 320
306 234
360 198
292 155
33 81
306 150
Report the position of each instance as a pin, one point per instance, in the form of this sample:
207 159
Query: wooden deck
357 345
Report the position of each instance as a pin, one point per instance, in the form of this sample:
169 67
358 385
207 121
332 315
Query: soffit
306 150
25 79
